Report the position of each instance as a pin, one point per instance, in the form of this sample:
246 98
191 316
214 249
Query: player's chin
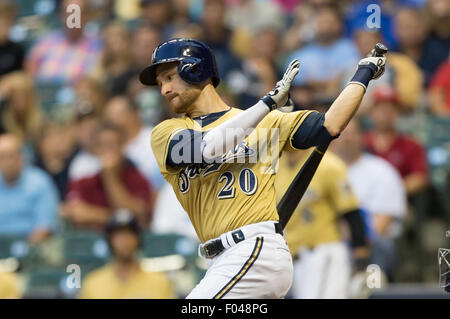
177 106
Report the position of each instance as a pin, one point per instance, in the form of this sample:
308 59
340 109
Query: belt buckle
206 253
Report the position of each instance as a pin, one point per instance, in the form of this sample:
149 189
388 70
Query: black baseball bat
297 188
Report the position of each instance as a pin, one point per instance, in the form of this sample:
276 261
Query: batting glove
279 96
369 68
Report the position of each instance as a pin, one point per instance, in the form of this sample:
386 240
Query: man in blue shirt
325 59
28 198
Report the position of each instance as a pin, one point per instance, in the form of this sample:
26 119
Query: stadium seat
49 282
87 249
13 246
158 245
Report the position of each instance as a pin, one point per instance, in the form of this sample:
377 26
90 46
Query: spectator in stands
404 153
29 199
85 162
90 94
21 113
169 216
218 37
260 67
380 192
180 13
67 54
401 73
254 15
157 14
91 200
301 30
414 41
144 41
11 53
9 285
124 113
56 150
437 13
116 57
439 91
123 277
326 59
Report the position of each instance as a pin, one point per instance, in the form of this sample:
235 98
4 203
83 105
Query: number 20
248 183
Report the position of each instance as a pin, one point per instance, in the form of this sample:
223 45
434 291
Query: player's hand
279 96
378 62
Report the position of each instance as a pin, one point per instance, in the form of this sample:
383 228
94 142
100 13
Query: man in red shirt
404 153
119 185
439 91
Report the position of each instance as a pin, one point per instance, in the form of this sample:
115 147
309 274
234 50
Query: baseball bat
297 188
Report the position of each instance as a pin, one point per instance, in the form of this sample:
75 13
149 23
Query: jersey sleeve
297 130
161 136
286 124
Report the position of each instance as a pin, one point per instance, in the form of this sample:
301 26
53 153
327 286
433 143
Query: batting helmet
196 61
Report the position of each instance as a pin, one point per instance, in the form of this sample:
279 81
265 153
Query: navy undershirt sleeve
311 132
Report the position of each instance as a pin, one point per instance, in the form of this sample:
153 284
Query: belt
214 247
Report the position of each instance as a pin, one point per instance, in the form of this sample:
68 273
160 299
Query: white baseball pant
258 267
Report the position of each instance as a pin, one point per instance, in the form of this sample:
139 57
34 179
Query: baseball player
208 153
322 263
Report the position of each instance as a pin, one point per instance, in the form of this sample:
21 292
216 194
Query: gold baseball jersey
220 197
315 220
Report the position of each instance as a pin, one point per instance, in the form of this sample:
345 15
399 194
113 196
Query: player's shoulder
165 130
276 116
170 124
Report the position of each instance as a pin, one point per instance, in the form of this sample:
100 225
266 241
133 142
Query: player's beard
183 100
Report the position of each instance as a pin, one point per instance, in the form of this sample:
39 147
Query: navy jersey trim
209 118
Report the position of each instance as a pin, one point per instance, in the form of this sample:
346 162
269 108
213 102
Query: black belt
215 247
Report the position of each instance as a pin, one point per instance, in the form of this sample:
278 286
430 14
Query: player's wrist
269 102
364 74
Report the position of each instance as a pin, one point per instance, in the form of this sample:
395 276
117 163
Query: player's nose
166 89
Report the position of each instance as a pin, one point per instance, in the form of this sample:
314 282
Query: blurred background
75 130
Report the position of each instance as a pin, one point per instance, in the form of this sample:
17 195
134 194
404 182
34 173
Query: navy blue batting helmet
196 61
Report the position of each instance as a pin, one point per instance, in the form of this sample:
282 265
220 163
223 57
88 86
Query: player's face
180 94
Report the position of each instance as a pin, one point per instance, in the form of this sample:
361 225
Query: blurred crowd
75 121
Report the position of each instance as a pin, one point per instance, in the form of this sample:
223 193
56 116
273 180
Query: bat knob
380 50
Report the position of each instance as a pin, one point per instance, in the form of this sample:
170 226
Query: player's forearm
343 108
230 133
347 103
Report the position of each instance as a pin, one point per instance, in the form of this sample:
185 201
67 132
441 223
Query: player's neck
207 102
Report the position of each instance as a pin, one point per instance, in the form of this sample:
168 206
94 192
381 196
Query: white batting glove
279 96
380 62
369 68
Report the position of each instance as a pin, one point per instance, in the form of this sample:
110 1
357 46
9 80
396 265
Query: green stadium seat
48 282
14 246
85 248
158 245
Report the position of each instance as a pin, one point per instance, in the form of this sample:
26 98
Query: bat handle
380 50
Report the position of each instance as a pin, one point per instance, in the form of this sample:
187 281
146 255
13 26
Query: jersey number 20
248 183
